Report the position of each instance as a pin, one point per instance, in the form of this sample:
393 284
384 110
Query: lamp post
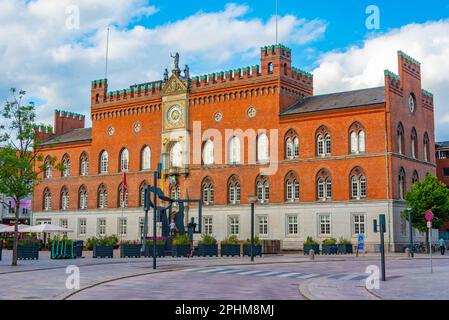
409 210
252 200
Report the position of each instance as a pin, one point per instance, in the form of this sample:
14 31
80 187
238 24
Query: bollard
407 253
312 254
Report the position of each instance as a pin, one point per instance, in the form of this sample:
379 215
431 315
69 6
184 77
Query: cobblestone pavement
270 277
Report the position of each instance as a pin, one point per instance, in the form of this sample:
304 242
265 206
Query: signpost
382 229
429 217
361 244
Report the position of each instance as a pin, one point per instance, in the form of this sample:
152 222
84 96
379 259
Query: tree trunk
16 235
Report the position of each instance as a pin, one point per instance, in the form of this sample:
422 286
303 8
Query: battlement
68 114
42 132
408 65
66 121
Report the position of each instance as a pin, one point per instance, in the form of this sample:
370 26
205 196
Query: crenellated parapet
427 98
393 82
226 77
408 65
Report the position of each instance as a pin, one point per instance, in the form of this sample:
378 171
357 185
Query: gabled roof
327 102
70 136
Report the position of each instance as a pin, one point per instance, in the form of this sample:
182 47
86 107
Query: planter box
27 252
247 250
103 251
149 250
78 248
181 250
207 250
314 247
230 250
329 249
130 251
345 249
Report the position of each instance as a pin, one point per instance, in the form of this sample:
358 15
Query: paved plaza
274 277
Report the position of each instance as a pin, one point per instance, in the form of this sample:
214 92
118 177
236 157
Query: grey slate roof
443 144
338 100
70 136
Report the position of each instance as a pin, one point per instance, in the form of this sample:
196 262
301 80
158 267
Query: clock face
411 103
174 115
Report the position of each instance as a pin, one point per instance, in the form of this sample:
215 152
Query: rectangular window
446 172
141 226
359 226
101 227
233 225
262 222
208 225
292 225
82 226
122 226
325 225
63 223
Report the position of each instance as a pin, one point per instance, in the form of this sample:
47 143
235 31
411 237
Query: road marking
286 275
309 276
194 269
267 274
248 272
359 278
211 270
230 271
349 277
338 276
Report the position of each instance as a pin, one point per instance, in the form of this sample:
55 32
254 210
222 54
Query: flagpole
277 15
107 53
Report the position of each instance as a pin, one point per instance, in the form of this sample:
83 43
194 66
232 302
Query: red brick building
321 165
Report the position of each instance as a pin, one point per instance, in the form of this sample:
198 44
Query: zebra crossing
275 274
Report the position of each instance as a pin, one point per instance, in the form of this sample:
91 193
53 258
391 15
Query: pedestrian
172 228
442 246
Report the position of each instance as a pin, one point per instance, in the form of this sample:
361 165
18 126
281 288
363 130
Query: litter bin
78 248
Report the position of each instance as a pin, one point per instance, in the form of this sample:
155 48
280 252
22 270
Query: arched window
64 199
176 160
208 153
324 185
415 177
83 199
124 160
323 142
358 184
401 183
142 193
207 190
291 187
47 200
426 147
175 192
234 150
123 196
102 197
400 135
262 148
263 189
414 144
84 164
234 190
104 162
291 145
146 158
66 166
270 67
357 138
48 168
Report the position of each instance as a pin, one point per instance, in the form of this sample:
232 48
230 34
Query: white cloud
362 66
55 64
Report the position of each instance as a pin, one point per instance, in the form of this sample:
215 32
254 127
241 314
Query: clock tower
175 121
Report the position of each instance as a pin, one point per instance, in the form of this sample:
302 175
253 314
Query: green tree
430 194
20 158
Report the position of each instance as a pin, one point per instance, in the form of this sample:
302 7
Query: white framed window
208 153
64 200
122 226
123 198
233 225
102 197
146 158
262 225
362 144
208 226
47 200
104 162
234 150
82 227
48 170
263 190
320 145
324 225
176 160
101 227
234 190
328 144
289 149
292 225
63 223
83 198
262 148
66 167
358 224
84 165
124 160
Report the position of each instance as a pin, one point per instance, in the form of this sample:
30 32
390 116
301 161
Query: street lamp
252 200
409 210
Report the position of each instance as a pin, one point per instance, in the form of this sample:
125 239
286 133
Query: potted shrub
207 246
181 246
311 244
104 247
230 246
329 246
257 247
28 250
344 246
130 249
160 247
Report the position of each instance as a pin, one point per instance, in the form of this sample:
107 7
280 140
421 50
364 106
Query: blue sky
55 60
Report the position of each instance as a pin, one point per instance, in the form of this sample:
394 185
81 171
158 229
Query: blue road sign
361 240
